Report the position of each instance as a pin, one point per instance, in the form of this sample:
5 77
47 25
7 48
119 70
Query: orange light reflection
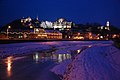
9 65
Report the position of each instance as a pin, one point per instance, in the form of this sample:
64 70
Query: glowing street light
8 30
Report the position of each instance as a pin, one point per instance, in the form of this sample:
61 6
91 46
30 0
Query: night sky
78 11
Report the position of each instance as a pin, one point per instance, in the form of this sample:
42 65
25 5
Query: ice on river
25 48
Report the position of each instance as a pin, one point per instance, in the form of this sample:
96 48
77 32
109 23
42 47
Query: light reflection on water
78 51
9 62
36 57
50 56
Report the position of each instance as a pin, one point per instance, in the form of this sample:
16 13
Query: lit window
9 26
101 27
31 26
37 30
101 36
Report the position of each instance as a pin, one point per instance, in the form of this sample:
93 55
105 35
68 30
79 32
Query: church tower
107 25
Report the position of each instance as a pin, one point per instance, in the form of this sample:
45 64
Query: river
33 61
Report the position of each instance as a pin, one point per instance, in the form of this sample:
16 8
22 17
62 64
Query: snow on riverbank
29 47
100 61
63 67
95 63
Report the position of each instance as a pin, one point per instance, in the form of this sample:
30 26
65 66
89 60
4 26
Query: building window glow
37 30
108 23
31 26
101 37
9 26
101 27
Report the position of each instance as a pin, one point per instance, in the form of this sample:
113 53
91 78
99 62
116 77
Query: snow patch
61 68
95 63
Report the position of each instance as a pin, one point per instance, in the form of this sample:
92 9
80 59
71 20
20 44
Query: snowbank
61 68
95 63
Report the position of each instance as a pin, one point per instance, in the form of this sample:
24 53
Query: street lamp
8 30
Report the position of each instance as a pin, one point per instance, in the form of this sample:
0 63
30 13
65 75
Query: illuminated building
108 23
88 35
78 36
20 33
62 24
36 22
46 24
28 28
47 34
53 34
24 20
107 27
40 33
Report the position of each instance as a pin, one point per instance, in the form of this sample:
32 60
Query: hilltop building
28 28
47 34
62 24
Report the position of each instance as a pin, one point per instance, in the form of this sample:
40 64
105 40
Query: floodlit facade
24 20
46 24
53 34
62 24
107 25
47 34
40 33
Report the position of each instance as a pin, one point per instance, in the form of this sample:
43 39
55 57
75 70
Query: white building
62 24
24 20
47 24
107 25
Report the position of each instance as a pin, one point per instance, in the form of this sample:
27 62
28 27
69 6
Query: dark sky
78 11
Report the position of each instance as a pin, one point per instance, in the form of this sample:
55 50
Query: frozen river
33 60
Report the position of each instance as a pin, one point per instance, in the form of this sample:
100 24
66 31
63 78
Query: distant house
53 34
40 33
78 35
47 34
20 33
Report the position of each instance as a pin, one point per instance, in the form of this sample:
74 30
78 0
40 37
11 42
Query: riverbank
27 58
100 62
117 43
28 47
